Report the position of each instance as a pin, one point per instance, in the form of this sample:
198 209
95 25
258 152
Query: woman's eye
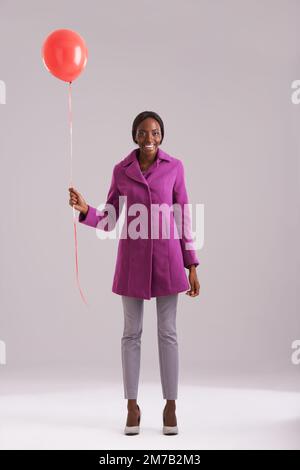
142 133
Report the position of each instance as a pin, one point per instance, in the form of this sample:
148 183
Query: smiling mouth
148 147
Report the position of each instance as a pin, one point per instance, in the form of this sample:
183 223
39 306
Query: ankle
169 409
132 405
170 405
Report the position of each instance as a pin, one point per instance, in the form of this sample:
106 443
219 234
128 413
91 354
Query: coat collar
133 167
133 156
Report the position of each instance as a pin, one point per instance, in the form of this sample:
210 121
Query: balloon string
71 185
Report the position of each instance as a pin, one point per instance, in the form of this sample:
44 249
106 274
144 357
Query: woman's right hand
77 201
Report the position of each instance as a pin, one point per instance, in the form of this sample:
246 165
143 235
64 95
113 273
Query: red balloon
64 54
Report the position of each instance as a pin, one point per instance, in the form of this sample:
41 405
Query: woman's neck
144 160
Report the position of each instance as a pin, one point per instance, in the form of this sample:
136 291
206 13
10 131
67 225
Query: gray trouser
166 307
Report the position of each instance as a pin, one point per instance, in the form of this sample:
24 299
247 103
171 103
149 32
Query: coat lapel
132 165
133 168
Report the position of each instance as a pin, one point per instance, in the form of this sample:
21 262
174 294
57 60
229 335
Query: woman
148 266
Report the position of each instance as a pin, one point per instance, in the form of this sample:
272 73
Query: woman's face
148 136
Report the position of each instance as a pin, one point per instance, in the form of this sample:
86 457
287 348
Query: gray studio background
219 73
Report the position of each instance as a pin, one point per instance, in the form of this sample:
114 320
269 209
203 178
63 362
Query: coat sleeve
94 216
180 197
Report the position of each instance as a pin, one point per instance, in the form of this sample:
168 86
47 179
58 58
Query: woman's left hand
194 283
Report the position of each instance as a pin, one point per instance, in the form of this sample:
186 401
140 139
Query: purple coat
148 267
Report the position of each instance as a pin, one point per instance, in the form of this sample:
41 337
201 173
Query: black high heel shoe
132 430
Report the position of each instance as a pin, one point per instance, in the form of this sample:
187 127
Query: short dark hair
144 115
